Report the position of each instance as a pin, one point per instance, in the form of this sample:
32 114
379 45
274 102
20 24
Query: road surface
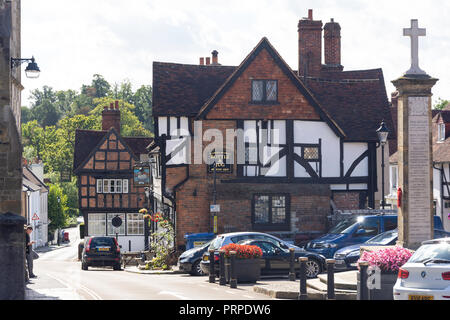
60 277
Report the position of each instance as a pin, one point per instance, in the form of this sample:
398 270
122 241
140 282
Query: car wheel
117 267
313 268
196 269
84 266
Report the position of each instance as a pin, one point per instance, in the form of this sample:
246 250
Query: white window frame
111 229
133 223
106 188
99 185
125 186
96 221
441 132
118 186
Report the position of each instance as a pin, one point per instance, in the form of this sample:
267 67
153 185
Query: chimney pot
310 14
202 61
111 106
208 60
215 58
117 104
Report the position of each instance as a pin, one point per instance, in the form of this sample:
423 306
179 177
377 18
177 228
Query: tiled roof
355 100
182 89
87 140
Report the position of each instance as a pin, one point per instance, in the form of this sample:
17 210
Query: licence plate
205 258
419 297
340 261
103 249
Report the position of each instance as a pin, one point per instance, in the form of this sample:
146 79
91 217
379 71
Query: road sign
214 208
116 221
35 217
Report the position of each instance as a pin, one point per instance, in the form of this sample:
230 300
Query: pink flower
389 259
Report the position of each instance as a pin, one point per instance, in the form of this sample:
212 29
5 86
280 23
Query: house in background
35 201
103 163
441 164
320 121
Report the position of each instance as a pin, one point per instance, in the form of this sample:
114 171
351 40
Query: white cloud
120 39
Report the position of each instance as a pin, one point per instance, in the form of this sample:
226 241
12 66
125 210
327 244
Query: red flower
243 251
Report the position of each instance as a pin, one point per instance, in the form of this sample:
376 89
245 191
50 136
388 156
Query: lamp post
32 70
382 133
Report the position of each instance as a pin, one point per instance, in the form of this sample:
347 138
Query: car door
368 228
276 260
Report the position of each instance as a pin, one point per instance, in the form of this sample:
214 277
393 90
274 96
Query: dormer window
264 91
441 132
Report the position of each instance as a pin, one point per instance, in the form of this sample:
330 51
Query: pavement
345 287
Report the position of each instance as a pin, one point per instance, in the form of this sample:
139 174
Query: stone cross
415 32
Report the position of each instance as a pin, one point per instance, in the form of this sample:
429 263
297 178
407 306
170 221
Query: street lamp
382 133
32 70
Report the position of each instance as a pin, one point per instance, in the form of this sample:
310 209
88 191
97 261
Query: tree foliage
441 104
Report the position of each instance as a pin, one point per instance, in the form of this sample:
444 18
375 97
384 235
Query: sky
73 40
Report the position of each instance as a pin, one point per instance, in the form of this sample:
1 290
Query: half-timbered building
319 124
103 163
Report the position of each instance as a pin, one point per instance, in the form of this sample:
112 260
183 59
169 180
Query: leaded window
271 211
135 224
97 224
113 230
264 90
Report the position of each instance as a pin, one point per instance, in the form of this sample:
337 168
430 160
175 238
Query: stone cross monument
415 214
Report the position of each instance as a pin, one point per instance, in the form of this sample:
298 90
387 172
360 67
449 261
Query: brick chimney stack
111 117
332 41
215 57
309 46
208 61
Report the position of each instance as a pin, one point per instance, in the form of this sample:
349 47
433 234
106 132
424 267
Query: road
60 277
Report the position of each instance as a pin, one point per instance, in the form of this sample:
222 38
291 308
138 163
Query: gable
265 63
111 154
291 103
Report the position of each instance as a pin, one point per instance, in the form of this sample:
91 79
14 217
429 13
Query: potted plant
247 263
386 263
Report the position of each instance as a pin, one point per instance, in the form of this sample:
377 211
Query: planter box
387 285
247 270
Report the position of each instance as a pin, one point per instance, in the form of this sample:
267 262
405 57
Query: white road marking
230 292
87 290
250 297
175 294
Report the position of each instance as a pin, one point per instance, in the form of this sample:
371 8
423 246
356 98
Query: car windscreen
343 226
102 242
431 252
216 243
384 238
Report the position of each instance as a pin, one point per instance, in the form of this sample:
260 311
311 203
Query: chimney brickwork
332 43
309 46
111 117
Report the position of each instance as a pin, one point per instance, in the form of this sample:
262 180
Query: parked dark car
275 259
101 252
347 257
354 230
189 261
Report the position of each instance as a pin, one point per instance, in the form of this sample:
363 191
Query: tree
27 115
130 124
46 113
33 135
143 101
57 207
441 104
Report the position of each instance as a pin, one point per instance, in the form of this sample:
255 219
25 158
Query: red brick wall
346 200
310 47
292 104
332 39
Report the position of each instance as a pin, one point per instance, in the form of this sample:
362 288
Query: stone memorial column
415 176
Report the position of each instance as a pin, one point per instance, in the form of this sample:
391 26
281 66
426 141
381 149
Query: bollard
363 293
12 256
233 280
330 279
292 265
212 272
303 293
222 279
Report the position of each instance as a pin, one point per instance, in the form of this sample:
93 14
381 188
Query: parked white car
426 275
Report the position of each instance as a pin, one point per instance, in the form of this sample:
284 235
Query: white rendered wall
311 132
353 151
